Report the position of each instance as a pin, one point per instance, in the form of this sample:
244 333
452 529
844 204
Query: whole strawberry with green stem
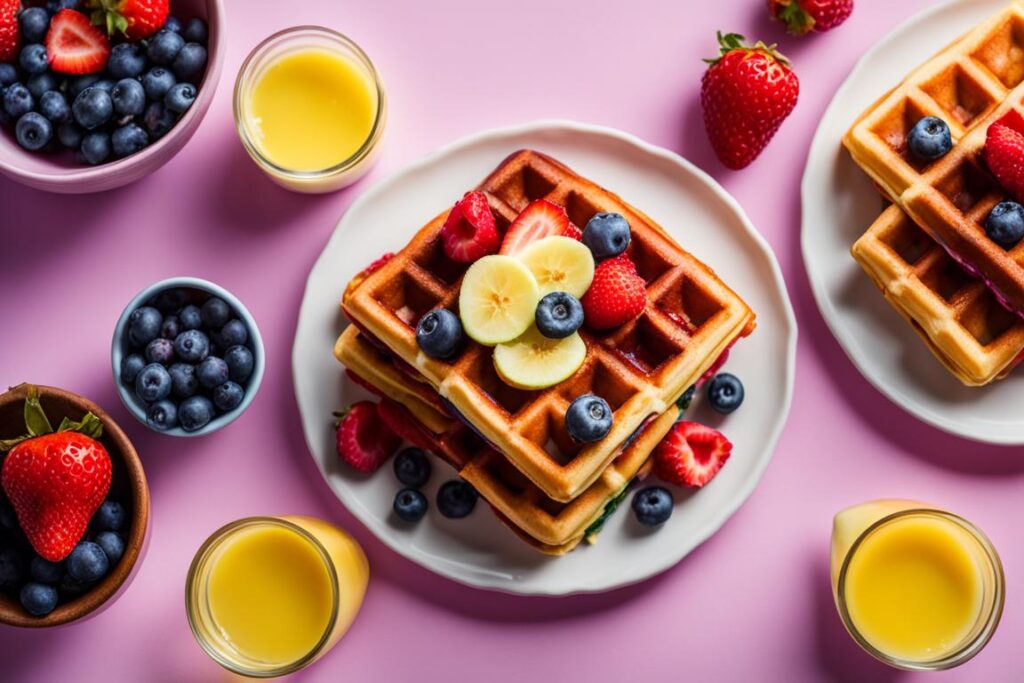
55 480
803 16
133 19
746 94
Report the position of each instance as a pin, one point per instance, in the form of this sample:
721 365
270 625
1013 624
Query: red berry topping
403 423
470 232
1004 153
538 220
74 45
746 94
616 296
804 16
364 441
691 454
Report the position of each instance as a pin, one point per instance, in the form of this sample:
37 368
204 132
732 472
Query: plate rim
819 289
788 327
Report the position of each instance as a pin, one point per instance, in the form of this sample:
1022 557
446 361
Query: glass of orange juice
917 587
267 596
310 109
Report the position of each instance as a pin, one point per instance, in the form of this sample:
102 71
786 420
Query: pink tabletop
752 604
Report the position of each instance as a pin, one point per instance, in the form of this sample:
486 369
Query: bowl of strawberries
74 507
95 94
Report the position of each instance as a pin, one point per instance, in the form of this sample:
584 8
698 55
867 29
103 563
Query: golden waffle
691 318
970 84
548 525
957 315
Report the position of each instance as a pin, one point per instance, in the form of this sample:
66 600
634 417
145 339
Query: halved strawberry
364 442
469 232
538 220
691 454
74 45
573 232
403 423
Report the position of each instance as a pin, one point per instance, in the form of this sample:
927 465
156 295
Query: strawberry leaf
36 421
90 425
798 22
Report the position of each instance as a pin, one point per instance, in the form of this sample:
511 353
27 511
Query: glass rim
244 76
976 643
203 555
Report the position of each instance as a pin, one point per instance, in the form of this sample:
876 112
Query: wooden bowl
128 486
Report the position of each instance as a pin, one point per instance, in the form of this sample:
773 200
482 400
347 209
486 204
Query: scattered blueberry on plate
652 505
410 505
456 499
725 393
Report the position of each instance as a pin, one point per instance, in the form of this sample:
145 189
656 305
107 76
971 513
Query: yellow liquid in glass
312 109
914 588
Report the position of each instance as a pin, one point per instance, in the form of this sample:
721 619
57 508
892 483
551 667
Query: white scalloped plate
479 550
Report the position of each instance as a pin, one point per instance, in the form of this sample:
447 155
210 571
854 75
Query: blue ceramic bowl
202 289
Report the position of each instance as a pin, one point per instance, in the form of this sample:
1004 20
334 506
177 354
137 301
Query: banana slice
560 264
498 299
535 362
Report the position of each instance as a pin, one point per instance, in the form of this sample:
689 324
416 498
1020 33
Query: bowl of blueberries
187 357
96 94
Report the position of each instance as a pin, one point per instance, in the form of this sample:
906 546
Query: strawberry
402 422
616 295
469 232
573 232
1004 153
538 220
55 480
691 454
364 441
10 35
746 94
804 16
134 19
74 45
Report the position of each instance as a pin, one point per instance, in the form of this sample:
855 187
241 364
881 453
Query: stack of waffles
511 444
929 253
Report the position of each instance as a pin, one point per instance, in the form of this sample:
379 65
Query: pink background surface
751 604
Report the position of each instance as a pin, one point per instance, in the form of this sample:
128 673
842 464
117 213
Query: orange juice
918 587
269 595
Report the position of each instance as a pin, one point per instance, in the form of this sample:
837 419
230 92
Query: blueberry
606 235
87 562
34 22
162 415
192 346
92 108
456 499
12 568
70 135
54 6
18 101
588 419
173 24
131 366
8 74
38 599
410 505
234 333
160 350
109 516
1005 224
195 413
95 148
128 140
43 571
153 383
652 505
725 393
171 300
412 467
126 61
43 83
144 325
129 97
929 139
54 107
190 317
157 82
112 545
158 120
80 83
171 327
558 315
33 59
439 334
190 62
195 31
5 118
215 313
183 380
228 396
240 363
164 47
33 131
105 84
212 372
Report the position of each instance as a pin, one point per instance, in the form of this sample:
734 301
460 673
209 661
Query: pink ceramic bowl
63 173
